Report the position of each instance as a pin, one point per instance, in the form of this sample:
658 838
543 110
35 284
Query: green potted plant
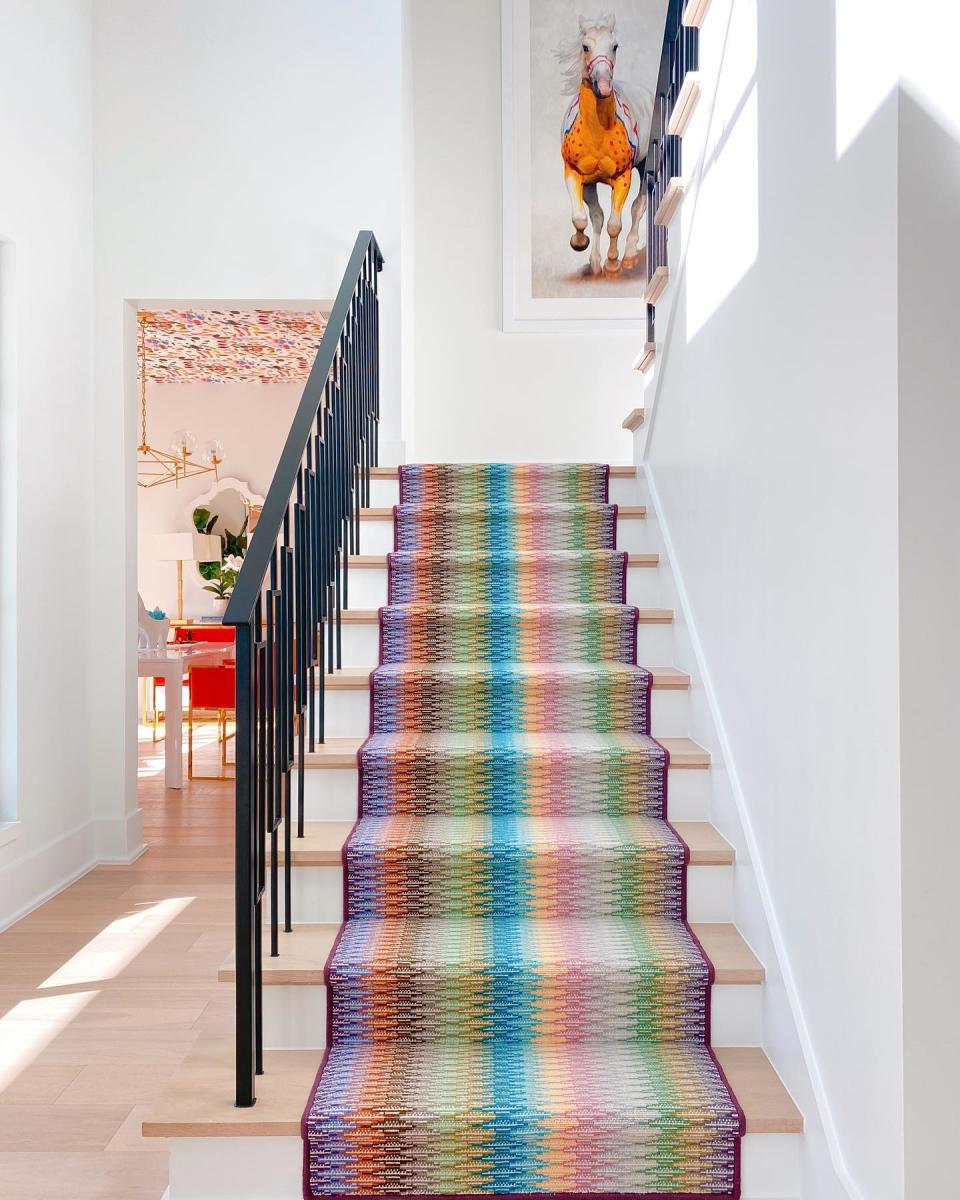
221 576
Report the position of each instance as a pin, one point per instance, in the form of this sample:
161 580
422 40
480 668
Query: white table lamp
186 547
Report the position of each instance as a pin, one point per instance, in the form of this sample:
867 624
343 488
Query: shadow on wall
929 433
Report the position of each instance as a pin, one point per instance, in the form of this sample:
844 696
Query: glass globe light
183 443
213 453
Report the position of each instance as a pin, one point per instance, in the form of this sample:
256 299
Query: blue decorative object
157 613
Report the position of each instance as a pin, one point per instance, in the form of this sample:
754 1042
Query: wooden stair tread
357 679
334 754
322 843
198 1098
320 846
624 511
708 846
634 419
379 561
766 1103
304 953
685 753
340 753
733 960
371 616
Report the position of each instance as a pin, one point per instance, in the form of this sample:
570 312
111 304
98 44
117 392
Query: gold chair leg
190 736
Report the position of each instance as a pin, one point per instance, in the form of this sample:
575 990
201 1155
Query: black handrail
286 607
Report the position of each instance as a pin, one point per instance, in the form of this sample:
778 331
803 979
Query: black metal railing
664 164
286 608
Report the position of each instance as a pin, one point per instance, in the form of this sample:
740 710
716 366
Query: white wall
929 428
479 393
239 148
773 454
257 417
46 226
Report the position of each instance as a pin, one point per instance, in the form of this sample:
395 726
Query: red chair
212 689
186 634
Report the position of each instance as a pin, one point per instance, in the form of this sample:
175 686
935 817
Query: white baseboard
30 879
119 840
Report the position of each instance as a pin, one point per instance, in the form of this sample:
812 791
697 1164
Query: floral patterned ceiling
210 345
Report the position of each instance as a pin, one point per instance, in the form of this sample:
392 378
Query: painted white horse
603 140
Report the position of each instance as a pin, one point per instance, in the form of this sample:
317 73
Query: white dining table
171 664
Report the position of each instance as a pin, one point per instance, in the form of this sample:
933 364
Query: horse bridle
599 58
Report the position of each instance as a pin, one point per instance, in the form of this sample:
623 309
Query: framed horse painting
578 92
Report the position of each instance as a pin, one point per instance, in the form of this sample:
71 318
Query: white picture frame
521 311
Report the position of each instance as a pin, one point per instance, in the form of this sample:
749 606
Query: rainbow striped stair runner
517 1004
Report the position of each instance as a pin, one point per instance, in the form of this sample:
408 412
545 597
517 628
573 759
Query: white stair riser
318 894
251 1168
770 1166
385 493
347 712
376 536
367 586
270 1168
295 1016
331 795
625 491
360 644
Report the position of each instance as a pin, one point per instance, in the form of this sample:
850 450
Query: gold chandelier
179 462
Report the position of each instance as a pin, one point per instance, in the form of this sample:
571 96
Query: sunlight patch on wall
929 72
866 68
724 239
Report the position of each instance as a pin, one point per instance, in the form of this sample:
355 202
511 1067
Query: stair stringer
786 1040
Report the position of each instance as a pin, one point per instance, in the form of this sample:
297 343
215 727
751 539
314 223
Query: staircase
414 965
485 931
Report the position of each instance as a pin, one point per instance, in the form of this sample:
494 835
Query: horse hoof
612 266
579 241
629 263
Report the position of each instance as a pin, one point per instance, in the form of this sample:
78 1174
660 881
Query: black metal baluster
303 642
261 777
273 758
245 879
286 604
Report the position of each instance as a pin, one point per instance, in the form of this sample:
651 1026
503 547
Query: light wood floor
104 990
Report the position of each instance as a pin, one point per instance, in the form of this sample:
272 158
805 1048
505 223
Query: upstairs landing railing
678 90
286 607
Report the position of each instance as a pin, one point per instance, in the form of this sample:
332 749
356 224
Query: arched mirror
229 510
